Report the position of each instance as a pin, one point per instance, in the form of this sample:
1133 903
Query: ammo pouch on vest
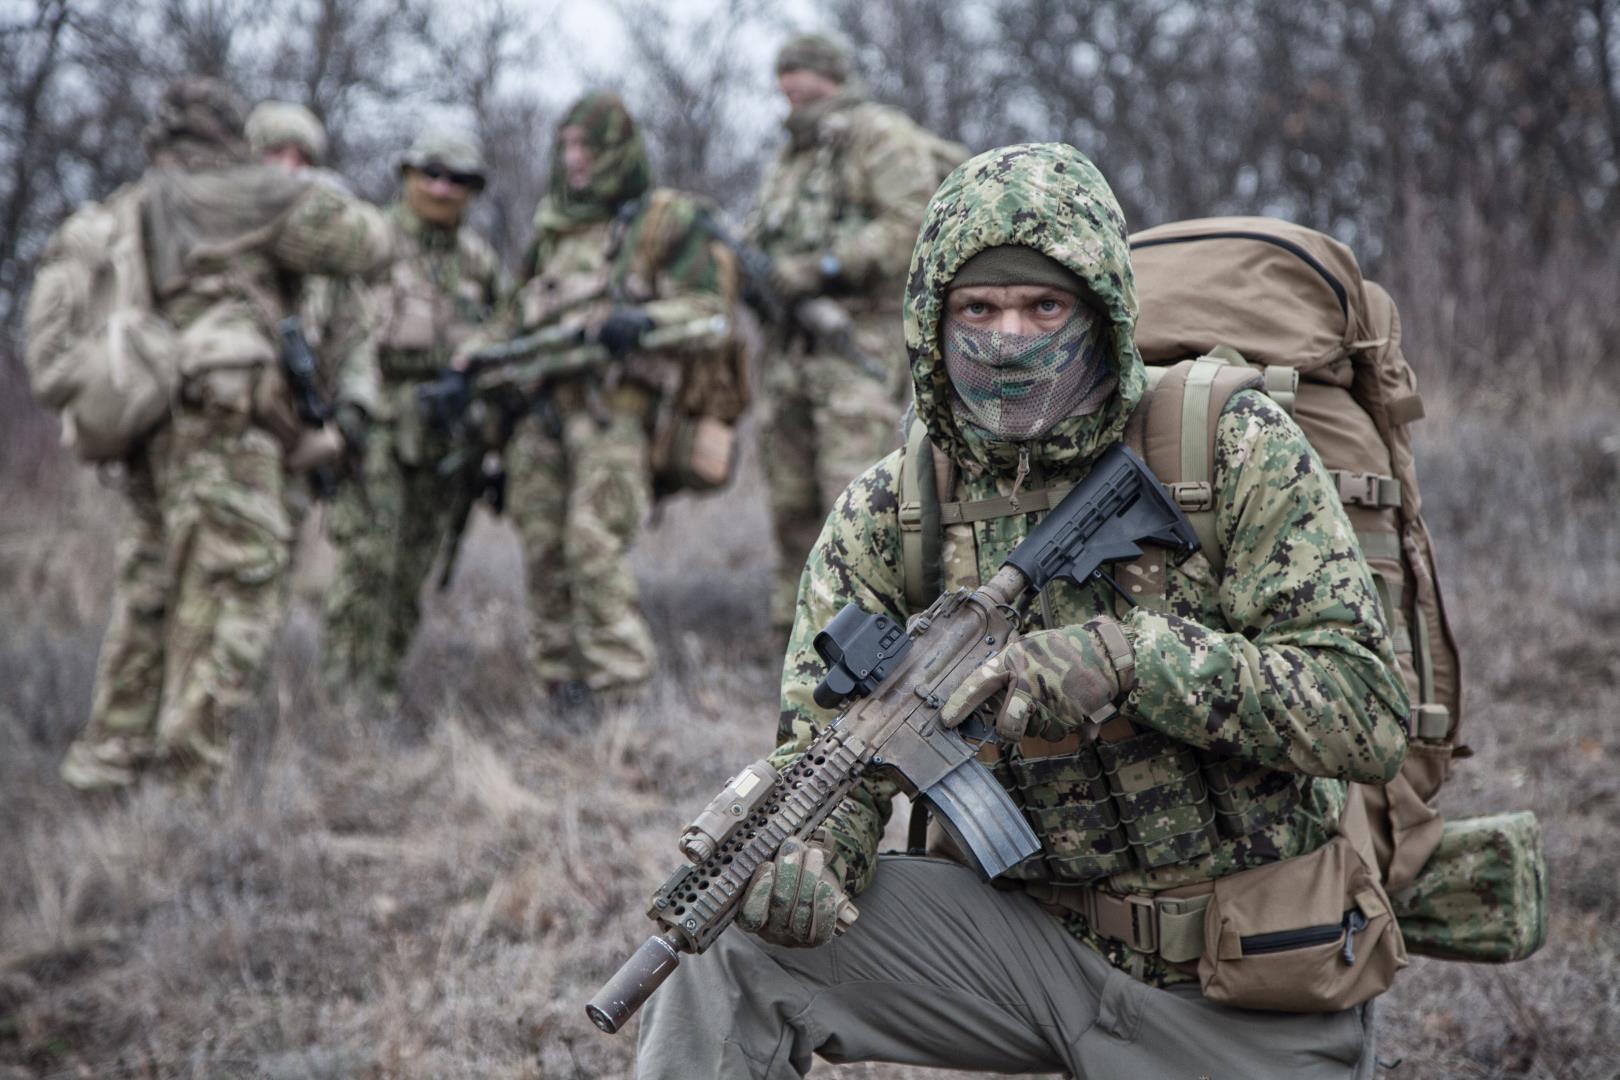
1315 933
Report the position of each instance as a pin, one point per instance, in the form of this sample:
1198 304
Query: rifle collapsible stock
894 681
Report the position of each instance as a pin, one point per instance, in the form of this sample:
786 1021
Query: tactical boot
110 765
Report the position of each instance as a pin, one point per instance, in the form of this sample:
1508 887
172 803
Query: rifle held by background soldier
481 399
301 370
820 320
899 679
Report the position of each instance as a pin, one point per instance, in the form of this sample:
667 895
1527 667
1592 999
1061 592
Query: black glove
623 330
355 427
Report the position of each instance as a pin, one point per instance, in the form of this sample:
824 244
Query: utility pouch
695 453
1314 933
1482 896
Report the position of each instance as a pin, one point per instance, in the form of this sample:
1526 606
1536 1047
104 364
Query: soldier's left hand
1052 681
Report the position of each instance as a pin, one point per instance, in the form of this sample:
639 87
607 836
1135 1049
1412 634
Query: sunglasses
460 179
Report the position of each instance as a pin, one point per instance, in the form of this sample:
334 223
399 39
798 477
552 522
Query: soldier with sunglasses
442 286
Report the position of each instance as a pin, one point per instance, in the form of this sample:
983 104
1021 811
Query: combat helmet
453 148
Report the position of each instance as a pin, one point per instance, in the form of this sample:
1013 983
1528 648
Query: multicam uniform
199 590
850 184
442 285
579 463
1258 693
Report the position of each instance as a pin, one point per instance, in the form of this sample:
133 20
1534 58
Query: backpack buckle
1193 496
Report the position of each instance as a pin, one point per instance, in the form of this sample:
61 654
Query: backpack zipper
1353 923
1300 253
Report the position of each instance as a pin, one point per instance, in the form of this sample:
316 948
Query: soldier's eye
976 307
1048 306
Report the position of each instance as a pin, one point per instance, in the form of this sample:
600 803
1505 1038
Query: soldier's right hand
797 899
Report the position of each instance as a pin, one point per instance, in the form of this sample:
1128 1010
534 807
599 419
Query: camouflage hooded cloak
1280 665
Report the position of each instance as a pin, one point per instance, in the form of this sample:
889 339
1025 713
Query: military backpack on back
1256 303
97 350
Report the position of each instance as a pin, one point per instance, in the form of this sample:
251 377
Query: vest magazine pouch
411 319
1314 933
1482 896
1159 792
1065 796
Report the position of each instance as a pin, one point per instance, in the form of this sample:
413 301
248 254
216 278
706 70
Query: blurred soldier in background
227 241
336 313
838 213
442 285
623 261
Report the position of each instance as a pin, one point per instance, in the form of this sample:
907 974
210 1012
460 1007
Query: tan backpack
1292 301
97 350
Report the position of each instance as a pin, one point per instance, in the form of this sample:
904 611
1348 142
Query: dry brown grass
435 894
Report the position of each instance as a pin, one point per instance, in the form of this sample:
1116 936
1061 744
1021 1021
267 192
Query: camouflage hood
198 124
619 173
1049 197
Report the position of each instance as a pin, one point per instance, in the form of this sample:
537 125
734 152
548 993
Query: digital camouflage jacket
1276 678
852 185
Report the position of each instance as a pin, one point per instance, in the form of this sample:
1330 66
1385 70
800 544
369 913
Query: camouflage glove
796 277
623 330
1054 681
797 899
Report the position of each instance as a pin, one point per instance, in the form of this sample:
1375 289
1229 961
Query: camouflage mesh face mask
1017 386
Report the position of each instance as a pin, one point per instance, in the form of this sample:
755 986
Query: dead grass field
435 894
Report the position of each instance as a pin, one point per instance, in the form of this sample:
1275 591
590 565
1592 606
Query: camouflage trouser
197 604
387 533
826 421
944 970
578 494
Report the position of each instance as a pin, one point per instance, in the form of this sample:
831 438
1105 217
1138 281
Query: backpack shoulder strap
925 482
1174 428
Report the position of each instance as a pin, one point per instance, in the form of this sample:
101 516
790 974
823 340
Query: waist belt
1171 926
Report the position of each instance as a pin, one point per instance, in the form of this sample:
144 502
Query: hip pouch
1482 896
694 453
1314 933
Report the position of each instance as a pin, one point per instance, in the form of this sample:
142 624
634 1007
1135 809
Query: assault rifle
821 321
480 403
894 680
300 367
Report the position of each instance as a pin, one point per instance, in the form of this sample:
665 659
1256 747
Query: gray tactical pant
941 970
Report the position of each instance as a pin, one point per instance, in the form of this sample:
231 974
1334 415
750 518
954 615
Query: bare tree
688 86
